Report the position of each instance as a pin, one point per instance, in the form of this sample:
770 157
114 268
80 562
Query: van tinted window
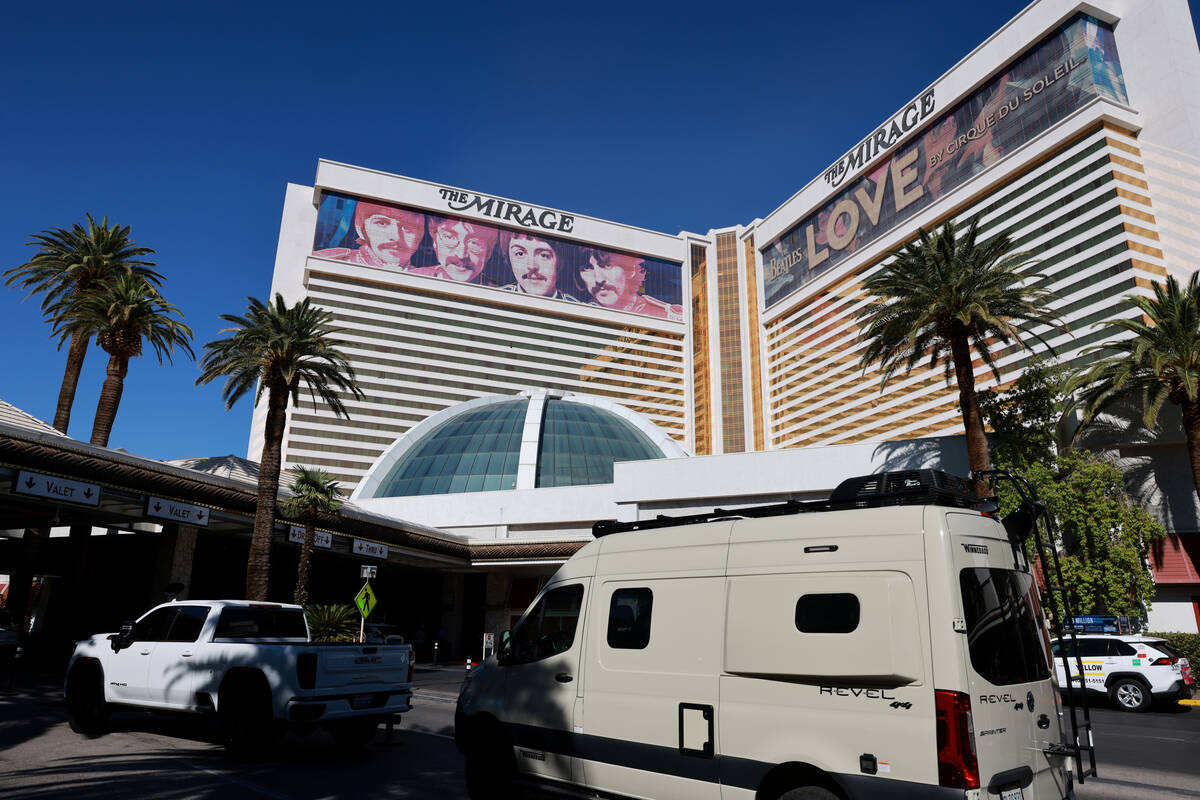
549 627
261 623
1004 626
629 619
827 613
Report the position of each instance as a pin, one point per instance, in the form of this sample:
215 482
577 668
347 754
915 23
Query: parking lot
162 757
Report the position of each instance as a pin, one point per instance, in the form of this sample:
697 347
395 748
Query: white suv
1131 670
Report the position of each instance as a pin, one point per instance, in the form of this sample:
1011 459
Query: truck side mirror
124 638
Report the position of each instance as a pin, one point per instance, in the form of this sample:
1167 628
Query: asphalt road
164 757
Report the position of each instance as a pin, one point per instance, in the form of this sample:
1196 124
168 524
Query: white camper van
800 651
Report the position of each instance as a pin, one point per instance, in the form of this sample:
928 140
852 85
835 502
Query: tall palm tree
943 296
278 348
313 492
76 262
1160 361
122 312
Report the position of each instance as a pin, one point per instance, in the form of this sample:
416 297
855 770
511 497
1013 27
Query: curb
1189 702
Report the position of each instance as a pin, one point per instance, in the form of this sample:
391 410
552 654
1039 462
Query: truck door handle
1043 722
144 653
563 677
187 655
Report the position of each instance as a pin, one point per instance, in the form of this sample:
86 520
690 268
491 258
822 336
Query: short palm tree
313 492
943 296
122 312
1157 357
76 262
277 348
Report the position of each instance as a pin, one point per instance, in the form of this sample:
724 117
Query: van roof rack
895 488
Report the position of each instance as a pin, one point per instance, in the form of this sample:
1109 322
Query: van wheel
809 793
490 771
1129 694
353 734
87 710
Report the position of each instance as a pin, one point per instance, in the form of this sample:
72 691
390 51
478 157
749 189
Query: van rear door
1013 702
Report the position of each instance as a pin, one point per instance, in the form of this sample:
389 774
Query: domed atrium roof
535 439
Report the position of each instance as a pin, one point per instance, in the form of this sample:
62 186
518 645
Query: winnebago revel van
886 643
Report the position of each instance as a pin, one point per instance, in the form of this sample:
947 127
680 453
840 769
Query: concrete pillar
173 560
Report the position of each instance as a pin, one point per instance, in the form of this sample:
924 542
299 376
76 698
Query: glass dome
579 444
476 451
480 446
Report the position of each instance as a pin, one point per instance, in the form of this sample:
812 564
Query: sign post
366 603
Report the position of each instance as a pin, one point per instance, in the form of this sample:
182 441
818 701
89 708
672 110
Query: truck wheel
490 772
247 724
87 710
353 734
1129 694
808 793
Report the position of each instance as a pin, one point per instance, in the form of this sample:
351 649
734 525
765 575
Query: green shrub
332 623
1186 643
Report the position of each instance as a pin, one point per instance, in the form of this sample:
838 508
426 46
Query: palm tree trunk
1191 430
66 394
258 570
968 403
110 399
301 597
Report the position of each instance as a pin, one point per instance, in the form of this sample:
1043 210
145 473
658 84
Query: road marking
239 782
439 698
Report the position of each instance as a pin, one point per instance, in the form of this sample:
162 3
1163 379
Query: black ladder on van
1032 517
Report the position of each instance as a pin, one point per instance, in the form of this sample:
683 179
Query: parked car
878 645
250 664
1131 670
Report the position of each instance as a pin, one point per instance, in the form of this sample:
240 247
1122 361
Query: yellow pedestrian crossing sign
365 600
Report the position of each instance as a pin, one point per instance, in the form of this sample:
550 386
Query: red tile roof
1176 559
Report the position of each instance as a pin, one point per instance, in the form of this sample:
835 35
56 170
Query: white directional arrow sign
39 485
175 511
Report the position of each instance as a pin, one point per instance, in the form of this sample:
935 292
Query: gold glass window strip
729 323
756 389
701 390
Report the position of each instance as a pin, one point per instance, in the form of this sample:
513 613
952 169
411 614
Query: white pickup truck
250 664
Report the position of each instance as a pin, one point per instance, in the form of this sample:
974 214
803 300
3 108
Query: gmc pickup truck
250 664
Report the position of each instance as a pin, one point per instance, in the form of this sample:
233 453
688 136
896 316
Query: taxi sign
365 600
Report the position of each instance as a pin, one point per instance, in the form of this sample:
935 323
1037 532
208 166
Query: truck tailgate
363 666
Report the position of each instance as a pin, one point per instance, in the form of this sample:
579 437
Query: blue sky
186 120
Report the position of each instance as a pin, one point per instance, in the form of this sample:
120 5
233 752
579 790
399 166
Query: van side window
629 619
549 627
827 613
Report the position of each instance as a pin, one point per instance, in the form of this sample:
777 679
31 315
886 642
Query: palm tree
314 492
944 295
76 262
278 348
121 312
1159 362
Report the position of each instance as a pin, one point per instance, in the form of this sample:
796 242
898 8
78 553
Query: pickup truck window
189 620
261 623
154 626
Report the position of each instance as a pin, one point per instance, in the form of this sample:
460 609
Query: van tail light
958 768
1164 662
306 670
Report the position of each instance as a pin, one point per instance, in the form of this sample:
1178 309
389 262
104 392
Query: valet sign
55 488
175 511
